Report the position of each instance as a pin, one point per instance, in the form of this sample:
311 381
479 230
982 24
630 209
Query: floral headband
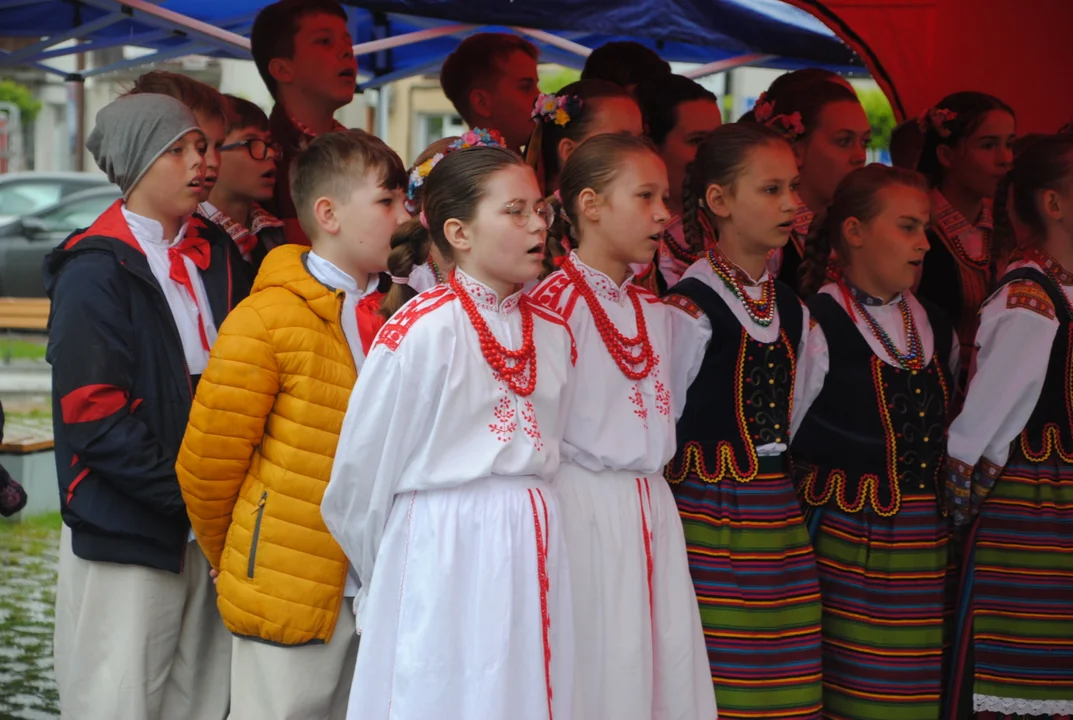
476 137
559 109
790 126
763 109
937 118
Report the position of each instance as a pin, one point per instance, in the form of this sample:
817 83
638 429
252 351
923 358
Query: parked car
25 192
26 241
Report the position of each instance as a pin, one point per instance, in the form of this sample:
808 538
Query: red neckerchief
196 248
367 313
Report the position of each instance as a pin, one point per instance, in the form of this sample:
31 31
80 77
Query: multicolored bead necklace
913 358
762 311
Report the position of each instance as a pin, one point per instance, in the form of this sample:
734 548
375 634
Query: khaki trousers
309 682
133 643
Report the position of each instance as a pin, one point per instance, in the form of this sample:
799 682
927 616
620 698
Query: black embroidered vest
957 289
1049 429
876 431
742 396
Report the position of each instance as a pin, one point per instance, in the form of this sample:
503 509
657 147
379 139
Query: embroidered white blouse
428 412
1014 348
615 422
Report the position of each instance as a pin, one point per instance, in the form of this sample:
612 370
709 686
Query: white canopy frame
204 37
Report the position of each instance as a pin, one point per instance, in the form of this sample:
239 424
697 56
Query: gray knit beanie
133 131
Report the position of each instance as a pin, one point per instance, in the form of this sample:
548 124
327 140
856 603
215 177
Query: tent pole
382 112
729 64
555 41
177 20
375 46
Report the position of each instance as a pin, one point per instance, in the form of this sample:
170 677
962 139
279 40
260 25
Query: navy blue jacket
121 390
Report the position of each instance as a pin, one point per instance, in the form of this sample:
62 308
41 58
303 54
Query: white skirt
468 614
640 652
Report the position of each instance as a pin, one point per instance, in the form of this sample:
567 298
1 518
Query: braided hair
721 157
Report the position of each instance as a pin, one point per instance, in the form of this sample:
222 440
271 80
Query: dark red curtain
921 50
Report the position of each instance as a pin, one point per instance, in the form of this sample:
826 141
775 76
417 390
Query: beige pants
134 643
310 682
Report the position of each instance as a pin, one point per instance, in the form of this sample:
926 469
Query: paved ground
28 557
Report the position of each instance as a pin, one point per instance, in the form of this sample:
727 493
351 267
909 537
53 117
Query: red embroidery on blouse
556 294
531 428
663 395
684 304
396 328
505 425
639 401
1028 295
555 318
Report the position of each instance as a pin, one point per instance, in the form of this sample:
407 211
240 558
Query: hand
215 575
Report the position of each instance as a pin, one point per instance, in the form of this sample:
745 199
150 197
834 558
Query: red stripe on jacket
92 402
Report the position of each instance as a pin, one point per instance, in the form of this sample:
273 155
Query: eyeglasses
520 212
257 148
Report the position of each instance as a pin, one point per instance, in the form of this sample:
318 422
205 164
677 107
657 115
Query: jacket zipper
256 533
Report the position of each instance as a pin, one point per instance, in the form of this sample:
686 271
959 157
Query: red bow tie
196 248
367 313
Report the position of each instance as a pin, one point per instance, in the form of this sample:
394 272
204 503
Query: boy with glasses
247 179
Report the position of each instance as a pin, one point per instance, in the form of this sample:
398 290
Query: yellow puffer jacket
258 453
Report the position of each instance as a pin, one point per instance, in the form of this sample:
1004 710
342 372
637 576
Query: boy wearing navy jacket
136 302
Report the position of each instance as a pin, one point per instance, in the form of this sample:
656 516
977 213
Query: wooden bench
24 314
27 453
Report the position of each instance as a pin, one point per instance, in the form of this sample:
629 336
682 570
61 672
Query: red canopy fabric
922 50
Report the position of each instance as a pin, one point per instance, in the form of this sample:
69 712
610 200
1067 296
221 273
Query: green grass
33 526
34 414
21 349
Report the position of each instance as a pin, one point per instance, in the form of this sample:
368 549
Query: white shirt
615 422
428 412
422 278
1014 350
184 309
888 317
329 274
691 337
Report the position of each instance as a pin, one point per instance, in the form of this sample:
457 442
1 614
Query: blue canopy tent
399 38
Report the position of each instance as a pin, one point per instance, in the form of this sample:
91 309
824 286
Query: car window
25 197
78 214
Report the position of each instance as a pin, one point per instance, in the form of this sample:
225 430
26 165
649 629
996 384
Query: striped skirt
1015 615
884 585
756 583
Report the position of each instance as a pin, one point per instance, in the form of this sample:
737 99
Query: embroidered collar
952 223
865 298
1051 266
485 297
260 219
600 282
739 274
803 220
